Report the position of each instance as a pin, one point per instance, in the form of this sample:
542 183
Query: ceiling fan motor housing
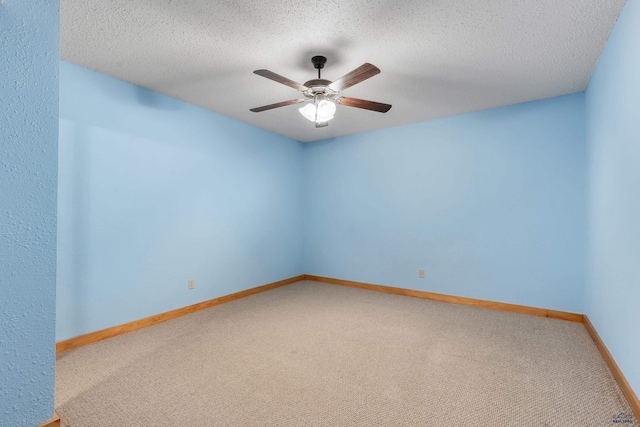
318 86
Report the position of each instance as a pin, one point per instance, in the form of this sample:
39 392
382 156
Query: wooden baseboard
53 422
163 317
542 312
92 337
634 403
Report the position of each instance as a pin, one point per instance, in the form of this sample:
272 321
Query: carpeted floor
312 354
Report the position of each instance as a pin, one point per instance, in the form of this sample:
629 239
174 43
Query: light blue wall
154 191
613 134
491 204
28 180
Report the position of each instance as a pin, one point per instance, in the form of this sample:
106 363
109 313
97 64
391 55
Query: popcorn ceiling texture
438 58
28 182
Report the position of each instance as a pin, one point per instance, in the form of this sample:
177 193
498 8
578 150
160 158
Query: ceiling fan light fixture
325 111
309 112
320 113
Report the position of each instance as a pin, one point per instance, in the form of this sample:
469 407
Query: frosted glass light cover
326 110
309 112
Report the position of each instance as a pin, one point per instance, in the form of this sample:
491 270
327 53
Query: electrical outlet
191 284
421 273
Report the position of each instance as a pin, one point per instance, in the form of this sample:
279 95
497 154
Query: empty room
319 213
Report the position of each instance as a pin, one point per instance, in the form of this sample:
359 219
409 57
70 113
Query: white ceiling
438 57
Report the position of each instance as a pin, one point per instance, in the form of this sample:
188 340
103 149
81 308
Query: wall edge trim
113 331
514 308
103 334
624 385
53 422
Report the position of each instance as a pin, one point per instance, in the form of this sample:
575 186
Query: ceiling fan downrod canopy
322 94
318 63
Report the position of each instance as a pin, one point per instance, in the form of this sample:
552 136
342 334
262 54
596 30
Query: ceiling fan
322 95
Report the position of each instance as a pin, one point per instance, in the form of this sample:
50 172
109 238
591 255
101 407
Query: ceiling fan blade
277 105
363 103
280 79
358 75
322 124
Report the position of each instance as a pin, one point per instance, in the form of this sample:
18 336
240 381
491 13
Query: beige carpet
312 354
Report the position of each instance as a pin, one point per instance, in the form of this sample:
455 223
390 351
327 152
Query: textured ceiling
438 57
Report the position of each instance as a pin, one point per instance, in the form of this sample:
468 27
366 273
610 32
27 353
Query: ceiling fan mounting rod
318 63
